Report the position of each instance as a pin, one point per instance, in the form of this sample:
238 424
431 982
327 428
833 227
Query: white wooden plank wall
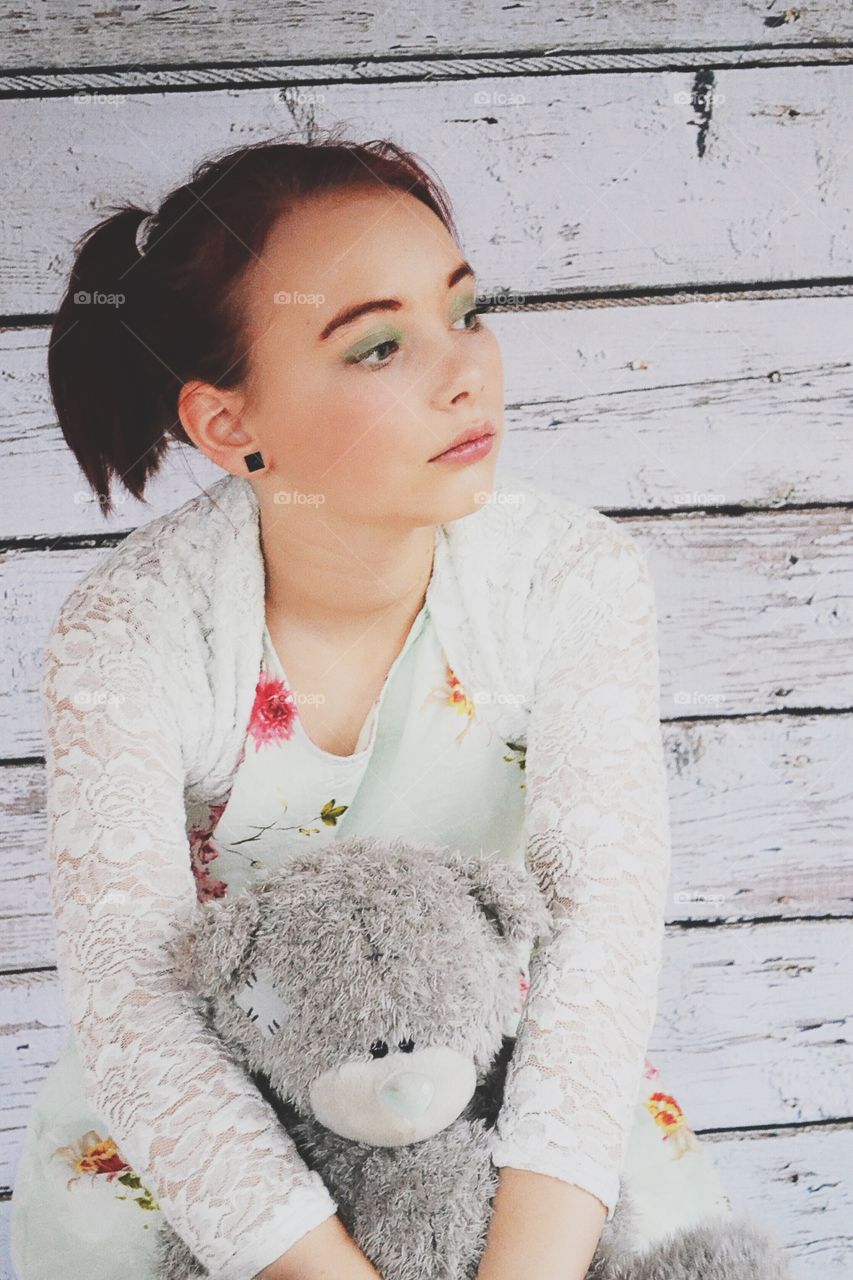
665 191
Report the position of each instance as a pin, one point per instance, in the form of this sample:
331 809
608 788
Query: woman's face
355 411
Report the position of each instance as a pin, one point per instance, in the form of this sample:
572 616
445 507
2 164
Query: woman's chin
469 493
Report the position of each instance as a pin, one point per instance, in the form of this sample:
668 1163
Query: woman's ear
212 950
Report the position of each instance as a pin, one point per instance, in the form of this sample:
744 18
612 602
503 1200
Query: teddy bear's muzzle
409 1093
397 1099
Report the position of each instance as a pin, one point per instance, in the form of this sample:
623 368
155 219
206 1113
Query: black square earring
254 461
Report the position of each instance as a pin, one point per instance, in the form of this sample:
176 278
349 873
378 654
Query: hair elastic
142 233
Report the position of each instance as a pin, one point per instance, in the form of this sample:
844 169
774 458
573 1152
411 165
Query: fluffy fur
365 986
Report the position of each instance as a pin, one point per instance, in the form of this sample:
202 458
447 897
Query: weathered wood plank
754 611
695 404
760 817
6 1270
743 1009
74 33
754 615
593 181
761 811
797 1183
311 74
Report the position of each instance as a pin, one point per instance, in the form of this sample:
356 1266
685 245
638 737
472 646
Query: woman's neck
321 573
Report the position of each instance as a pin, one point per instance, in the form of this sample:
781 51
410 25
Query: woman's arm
598 843
327 1252
542 1227
182 1111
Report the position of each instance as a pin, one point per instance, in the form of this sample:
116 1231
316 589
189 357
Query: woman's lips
471 451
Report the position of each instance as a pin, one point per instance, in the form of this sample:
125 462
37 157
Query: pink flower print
274 711
523 988
202 852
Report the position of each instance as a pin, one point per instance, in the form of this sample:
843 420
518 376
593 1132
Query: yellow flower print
666 1113
100 1157
451 693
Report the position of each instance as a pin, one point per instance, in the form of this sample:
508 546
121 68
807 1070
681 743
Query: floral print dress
425 767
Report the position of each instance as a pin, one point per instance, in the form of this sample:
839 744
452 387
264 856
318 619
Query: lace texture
598 843
184 1113
546 612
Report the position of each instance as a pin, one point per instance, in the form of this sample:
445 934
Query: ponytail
104 382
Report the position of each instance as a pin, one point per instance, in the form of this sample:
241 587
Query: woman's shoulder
153 627
165 566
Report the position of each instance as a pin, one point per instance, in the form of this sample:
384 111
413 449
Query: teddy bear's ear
211 949
509 896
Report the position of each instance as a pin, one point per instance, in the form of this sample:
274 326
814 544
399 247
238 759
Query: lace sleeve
598 843
183 1113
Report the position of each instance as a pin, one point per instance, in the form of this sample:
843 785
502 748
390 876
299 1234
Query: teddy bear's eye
263 1004
407 1046
378 1049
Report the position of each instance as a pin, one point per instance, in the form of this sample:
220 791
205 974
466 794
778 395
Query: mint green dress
425 767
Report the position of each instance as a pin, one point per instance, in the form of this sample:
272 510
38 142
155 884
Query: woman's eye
475 311
395 345
389 342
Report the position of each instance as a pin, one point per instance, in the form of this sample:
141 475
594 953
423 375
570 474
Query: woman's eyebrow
348 314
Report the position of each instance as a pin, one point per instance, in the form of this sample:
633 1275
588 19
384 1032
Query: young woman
357 629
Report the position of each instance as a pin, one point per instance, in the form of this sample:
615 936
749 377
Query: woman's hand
542 1227
327 1252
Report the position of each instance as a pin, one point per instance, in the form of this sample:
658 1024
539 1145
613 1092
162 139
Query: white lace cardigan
546 612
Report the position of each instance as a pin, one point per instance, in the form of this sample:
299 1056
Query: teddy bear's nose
409 1093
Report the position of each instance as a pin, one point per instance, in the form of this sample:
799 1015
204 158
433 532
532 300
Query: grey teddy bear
366 987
